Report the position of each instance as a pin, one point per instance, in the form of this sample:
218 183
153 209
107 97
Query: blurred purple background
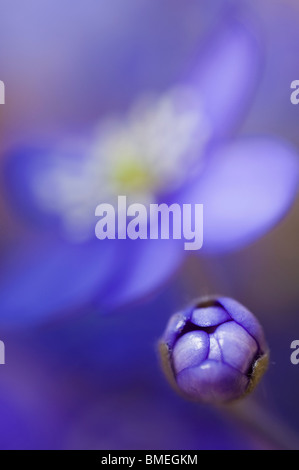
81 318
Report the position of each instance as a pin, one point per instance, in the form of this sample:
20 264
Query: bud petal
217 382
190 350
215 351
238 348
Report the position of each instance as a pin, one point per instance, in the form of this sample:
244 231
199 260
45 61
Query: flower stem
260 422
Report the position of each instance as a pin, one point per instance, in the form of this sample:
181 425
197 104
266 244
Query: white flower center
143 155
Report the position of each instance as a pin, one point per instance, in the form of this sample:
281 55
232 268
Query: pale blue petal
50 278
147 265
228 74
246 189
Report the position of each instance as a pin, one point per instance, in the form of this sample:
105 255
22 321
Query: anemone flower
174 145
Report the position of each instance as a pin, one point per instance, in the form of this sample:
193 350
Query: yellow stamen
132 175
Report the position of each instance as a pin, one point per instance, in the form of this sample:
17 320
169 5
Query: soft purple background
90 380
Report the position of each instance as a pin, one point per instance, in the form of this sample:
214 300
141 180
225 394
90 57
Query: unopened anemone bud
215 351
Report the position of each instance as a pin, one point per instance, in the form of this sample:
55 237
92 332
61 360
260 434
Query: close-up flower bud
214 351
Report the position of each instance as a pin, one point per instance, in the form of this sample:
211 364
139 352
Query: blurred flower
66 65
215 351
170 147
145 155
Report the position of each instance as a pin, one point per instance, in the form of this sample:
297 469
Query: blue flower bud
215 351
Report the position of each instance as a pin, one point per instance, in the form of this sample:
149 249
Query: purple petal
190 350
215 353
228 74
237 346
209 316
246 319
40 281
212 382
174 327
23 170
246 189
149 264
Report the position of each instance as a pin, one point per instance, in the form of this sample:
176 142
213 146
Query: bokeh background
82 370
